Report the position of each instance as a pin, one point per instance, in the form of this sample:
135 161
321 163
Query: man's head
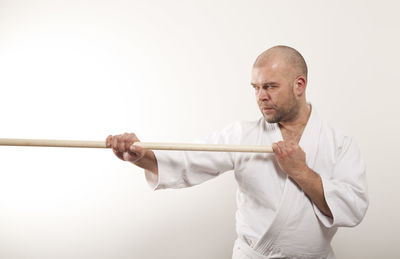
279 77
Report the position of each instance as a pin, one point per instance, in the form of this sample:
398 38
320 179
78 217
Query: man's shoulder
333 130
234 132
335 136
327 128
244 126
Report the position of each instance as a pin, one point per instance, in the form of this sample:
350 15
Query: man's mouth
267 109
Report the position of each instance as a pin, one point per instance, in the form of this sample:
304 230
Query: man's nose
263 95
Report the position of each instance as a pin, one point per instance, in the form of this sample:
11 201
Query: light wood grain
146 145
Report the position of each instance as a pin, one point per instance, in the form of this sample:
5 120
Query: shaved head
279 77
284 56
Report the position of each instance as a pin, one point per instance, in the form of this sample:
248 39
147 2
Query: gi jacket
275 218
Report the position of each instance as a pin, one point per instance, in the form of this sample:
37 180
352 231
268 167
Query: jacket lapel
309 143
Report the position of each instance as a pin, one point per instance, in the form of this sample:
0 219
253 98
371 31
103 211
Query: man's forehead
271 62
267 70
268 74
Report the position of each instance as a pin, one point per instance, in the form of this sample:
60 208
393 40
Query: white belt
242 250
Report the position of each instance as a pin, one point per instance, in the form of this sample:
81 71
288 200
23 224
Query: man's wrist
148 162
304 177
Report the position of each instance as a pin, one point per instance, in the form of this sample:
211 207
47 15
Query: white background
175 71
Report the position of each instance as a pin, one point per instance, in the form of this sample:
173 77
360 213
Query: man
290 203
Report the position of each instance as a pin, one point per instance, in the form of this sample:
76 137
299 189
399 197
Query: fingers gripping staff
291 158
123 148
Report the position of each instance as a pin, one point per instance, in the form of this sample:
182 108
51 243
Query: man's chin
271 119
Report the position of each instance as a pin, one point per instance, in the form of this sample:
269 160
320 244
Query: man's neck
296 126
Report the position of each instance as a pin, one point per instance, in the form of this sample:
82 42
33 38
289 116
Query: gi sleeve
346 190
180 169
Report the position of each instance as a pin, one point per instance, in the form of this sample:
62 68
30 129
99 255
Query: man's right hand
122 146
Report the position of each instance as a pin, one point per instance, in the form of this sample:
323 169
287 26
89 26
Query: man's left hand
291 158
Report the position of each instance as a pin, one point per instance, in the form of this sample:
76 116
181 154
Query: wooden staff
145 145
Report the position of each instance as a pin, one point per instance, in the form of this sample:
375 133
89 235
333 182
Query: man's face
274 92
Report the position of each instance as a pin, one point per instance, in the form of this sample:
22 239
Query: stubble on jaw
284 114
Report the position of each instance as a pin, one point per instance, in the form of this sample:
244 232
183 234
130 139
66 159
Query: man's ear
300 85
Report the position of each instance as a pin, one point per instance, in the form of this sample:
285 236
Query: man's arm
122 146
292 160
178 169
311 183
148 162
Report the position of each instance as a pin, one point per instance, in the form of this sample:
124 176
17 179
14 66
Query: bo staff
145 145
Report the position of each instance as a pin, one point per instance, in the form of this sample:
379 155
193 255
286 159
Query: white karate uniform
275 219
